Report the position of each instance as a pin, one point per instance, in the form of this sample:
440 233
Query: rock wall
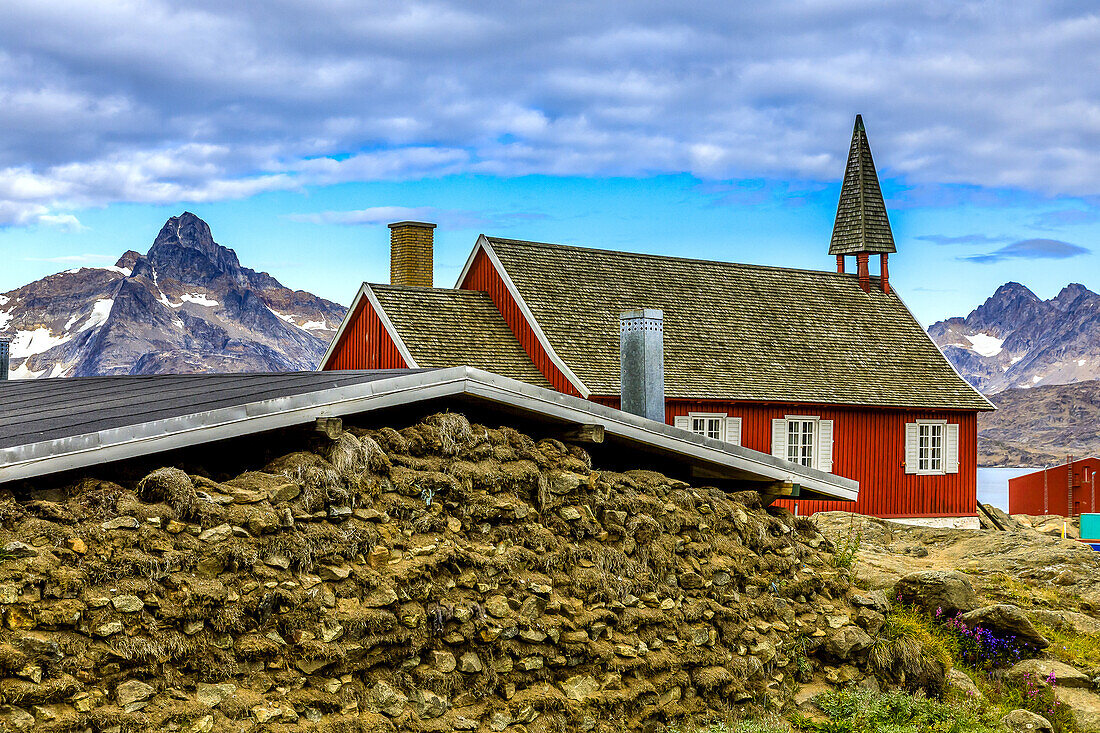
441 577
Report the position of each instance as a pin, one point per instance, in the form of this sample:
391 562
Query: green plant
862 711
1077 650
1038 695
845 554
913 651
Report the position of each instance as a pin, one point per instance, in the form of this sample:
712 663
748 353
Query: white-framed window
931 447
804 439
717 425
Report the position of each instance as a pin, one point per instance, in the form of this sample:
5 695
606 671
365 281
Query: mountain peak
185 250
1069 295
185 306
128 259
1017 339
1013 289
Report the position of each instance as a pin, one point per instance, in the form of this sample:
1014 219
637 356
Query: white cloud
161 103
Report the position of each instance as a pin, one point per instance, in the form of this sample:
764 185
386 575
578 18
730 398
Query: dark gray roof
34 410
735 332
52 426
861 221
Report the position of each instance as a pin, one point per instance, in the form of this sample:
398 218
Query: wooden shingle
733 331
861 221
444 328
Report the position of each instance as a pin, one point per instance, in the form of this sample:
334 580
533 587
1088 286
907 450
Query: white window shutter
825 445
733 430
951 448
683 422
779 438
912 447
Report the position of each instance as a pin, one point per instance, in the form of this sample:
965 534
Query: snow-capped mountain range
1017 340
186 306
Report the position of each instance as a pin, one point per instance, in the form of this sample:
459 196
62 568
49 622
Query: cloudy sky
719 130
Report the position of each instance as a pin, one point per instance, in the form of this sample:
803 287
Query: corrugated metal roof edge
157 436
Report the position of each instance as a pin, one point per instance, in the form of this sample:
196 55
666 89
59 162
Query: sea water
993 484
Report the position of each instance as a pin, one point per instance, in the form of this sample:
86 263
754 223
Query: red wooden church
826 369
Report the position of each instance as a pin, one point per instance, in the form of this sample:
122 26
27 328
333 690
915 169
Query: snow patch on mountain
985 344
22 372
29 343
308 325
1017 339
101 311
187 305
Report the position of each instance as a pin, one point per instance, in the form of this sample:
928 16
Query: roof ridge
420 288
747 265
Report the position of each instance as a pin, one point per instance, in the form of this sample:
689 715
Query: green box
1090 527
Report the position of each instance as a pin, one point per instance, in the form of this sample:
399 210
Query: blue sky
297 130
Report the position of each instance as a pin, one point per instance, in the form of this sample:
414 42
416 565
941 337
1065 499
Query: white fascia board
343 326
540 335
157 436
366 292
937 347
178 432
650 432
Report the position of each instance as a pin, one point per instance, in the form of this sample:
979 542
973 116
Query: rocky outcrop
1025 721
1005 621
441 577
946 592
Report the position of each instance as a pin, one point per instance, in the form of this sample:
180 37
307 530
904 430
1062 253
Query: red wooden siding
868 446
365 344
1051 491
484 277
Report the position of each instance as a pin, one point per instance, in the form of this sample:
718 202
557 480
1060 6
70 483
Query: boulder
1077 623
847 642
1041 670
133 691
1006 621
389 701
444 661
19 549
470 662
1085 705
124 522
579 687
960 681
127 603
429 705
217 534
212 695
932 590
1025 721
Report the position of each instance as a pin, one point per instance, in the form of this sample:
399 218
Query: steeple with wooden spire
862 227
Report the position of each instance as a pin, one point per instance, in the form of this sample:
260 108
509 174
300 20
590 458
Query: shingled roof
733 331
445 328
861 221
